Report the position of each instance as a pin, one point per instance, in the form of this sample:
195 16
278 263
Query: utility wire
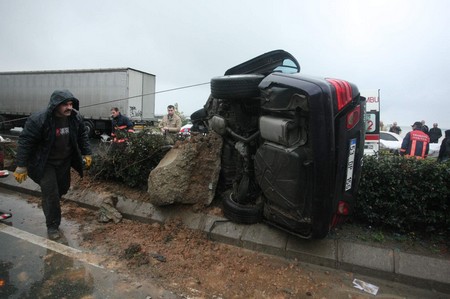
117 100
146 94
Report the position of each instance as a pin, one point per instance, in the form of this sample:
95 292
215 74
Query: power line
146 94
117 100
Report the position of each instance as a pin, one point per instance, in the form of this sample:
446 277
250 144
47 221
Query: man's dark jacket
121 122
39 133
435 134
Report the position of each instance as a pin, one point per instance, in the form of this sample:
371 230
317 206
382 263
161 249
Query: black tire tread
236 86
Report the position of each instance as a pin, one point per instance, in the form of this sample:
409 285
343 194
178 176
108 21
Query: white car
434 149
391 142
185 130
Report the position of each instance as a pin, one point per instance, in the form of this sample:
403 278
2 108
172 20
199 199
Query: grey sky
400 47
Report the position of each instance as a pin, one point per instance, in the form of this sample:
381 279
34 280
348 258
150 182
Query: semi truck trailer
98 90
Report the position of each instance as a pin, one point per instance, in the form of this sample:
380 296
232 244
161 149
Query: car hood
274 61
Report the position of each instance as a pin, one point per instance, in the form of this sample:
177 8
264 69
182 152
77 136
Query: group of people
170 124
55 140
434 133
416 143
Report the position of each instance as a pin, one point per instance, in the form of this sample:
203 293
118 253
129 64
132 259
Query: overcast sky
399 47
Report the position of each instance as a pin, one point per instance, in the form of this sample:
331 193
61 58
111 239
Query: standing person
53 141
416 143
395 129
120 122
424 127
444 151
435 133
171 123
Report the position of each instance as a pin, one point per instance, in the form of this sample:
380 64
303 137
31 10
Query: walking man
53 141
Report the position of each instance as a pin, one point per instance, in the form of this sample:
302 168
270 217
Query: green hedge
130 162
404 194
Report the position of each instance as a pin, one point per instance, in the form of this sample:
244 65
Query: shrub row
129 162
404 194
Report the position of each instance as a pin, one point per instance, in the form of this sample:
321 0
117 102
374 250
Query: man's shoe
53 233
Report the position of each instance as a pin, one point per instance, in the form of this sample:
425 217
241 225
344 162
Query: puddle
31 266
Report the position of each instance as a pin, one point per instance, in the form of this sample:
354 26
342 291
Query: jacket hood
60 96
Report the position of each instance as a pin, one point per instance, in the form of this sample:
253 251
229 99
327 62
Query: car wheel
236 86
2 123
89 127
240 213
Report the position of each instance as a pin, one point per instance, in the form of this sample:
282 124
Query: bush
130 162
404 194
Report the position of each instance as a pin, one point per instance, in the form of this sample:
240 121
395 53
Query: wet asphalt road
31 266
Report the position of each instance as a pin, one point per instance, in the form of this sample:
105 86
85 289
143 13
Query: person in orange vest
416 143
120 122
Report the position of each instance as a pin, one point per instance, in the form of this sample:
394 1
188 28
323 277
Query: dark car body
300 143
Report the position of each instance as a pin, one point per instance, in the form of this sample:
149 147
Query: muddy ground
190 264
187 262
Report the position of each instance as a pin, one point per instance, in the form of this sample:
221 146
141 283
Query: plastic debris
366 287
159 257
5 215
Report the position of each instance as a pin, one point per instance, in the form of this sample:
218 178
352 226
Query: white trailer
98 90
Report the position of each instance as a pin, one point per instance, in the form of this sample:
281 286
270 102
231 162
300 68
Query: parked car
185 130
433 152
391 142
293 144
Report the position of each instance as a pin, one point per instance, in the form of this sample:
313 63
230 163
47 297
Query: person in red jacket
416 143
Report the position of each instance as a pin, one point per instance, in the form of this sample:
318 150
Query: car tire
239 213
236 86
89 127
2 123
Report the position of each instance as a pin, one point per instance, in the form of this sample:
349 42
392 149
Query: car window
288 67
387 137
273 61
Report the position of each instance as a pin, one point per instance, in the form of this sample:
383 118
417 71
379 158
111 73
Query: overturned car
292 144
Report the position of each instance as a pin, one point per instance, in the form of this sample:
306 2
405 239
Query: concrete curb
386 263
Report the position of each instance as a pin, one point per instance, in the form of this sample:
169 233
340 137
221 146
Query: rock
107 210
188 173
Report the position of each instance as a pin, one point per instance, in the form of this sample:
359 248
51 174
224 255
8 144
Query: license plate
350 164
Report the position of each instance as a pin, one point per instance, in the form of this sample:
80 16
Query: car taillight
343 92
353 117
343 208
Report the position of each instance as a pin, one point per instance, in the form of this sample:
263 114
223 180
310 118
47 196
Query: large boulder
188 173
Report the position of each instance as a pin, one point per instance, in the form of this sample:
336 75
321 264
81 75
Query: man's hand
21 174
87 161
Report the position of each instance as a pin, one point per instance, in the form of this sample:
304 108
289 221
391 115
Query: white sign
350 164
